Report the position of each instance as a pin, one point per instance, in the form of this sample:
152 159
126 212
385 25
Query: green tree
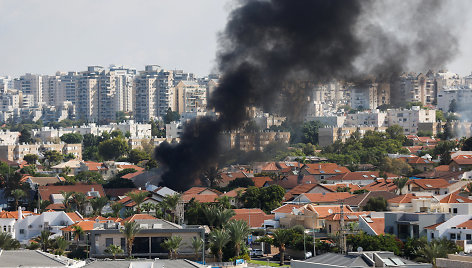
172 244
116 208
98 203
376 204
130 230
267 198
89 177
113 148
17 195
280 238
43 240
310 132
240 182
53 157
467 146
67 202
114 250
72 138
197 245
136 155
78 232
138 197
395 166
80 200
172 201
400 183
438 248
31 158
120 116
171 116
384 242
238 231
443 149
60 246
395 132
218 239
25 136
440 116
211 176
147 207
7 242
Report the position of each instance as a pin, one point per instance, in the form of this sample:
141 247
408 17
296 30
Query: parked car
276 257
256 252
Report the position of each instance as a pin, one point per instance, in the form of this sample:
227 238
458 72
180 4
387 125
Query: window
454 210
432 235
453 236
468 236
22 231
108 241
123 244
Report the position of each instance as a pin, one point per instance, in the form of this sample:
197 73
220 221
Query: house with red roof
456 204
457 229
8 220
333 221
359 201
360 178
431 186
383 185
261 181
227 177
372 224
323 171
201 195
306 188
291 181
461 162
413 203
419 163
254 217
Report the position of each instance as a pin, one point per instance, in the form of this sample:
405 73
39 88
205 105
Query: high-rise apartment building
31 84
190 97
154 93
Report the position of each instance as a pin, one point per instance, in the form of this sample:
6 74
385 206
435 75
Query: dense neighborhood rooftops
361 200
325 198
325 168
455 198
381 185
430 184
260 181
463 159
46 191
355 176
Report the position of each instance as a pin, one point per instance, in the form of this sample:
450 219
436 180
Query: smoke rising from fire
269 43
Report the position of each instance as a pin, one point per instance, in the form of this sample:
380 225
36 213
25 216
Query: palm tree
116 207
238 231
197 244
60 246
210 214
172 244
211 177
430 252
130 230
78 231
97 204
219 238
43 204
400 183
138 198
67 170
147 207
43 239
224 201
80 199
114 250
67 200
172 201
18 194
7 242
280 238
223 216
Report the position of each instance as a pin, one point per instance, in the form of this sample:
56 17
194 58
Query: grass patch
265 263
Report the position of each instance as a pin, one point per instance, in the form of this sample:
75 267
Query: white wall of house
31 226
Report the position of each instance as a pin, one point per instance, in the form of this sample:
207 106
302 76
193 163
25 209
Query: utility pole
314 243
342 231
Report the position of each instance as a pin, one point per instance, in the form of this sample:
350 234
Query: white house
457 228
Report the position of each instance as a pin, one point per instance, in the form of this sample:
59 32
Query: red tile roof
201 198
381 185
129 176
46 191
467 225
234 193
406 198
14 214
454 198
377 224
254 217
325 211
334 187
86 226
200 190
291 181
430 184
433 227
325 168
463 159
55 207
132 166
287 208
94 166
326 198
442 168
300 189
74 216
139 217
260 181
271 166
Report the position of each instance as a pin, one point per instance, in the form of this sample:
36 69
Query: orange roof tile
467 225
381 185
94 166
291 181
357 176
200 190
260 181
442 168
325 168
325 211
377 224
46 191
14 214
334 187
454 198
271 166
74 216
129 176
433 227
254 217
431 184
201 198
86 226
234 193
139 217
132 166
299 189
463 159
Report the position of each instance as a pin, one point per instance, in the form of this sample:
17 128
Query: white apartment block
461 94
154 93
364 97
413 87
190 97
409 119
373 118
31 84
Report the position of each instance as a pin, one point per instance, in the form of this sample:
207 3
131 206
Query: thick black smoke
268 45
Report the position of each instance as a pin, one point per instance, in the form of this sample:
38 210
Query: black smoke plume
268 45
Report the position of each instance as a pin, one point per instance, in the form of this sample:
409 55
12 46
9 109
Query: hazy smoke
270 44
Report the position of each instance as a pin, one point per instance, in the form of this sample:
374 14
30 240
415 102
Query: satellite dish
359 249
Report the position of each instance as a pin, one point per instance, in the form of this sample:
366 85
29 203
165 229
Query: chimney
1 209
20 213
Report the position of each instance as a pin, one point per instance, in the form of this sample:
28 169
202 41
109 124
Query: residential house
31 226
323 171
361 178
306 188
148 242
261 181
321 198
73 165
461 162
254 217
8 220
372 224
333 222
457 229
412 203
128 203
383 185
357 202
419 163
291 181
411 225
456 204
87 226
227 177
432 186
201 194
35 182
